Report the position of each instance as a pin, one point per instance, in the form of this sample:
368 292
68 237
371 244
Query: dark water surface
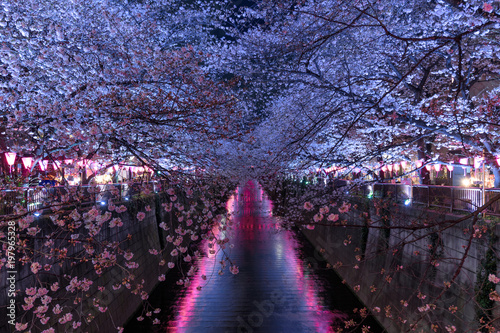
281 286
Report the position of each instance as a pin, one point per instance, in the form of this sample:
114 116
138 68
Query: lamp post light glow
27 162
43 164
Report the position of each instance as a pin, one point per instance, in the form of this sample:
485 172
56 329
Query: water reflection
275 290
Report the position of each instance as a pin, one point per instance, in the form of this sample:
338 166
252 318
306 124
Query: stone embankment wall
135 236
411 264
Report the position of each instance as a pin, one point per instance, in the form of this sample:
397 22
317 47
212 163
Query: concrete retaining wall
137 236
392 255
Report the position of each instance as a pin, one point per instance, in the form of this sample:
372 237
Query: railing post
26 196
452 199
411 193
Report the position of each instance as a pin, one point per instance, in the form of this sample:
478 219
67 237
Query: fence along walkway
36 198
450 197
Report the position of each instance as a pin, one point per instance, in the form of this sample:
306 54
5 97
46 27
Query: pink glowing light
419 163
437 167
27 162
11 158
478 161
43 164
82 163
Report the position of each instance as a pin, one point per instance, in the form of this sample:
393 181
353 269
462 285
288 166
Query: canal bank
416 266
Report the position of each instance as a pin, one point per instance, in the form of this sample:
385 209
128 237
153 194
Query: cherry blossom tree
107 81
345 83
112 80
382 75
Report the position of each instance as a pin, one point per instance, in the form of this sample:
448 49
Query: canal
282 285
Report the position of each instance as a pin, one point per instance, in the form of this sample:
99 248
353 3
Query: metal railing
35 198
449 197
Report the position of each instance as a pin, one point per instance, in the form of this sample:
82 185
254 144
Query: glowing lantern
464 161
450 167
27 162
419 163
477 161
57 163
68 161
498 160
11 158
389 166
384 168
403 164
43 164
437 167
428 167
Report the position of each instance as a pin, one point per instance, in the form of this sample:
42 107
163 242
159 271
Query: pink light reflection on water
205 265
243 207
304 283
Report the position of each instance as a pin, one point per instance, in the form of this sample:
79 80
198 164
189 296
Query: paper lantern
478 161
389 166
464 161
43 164
450 167
428 167
419 163
11 158
403 164
27 162
437 167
